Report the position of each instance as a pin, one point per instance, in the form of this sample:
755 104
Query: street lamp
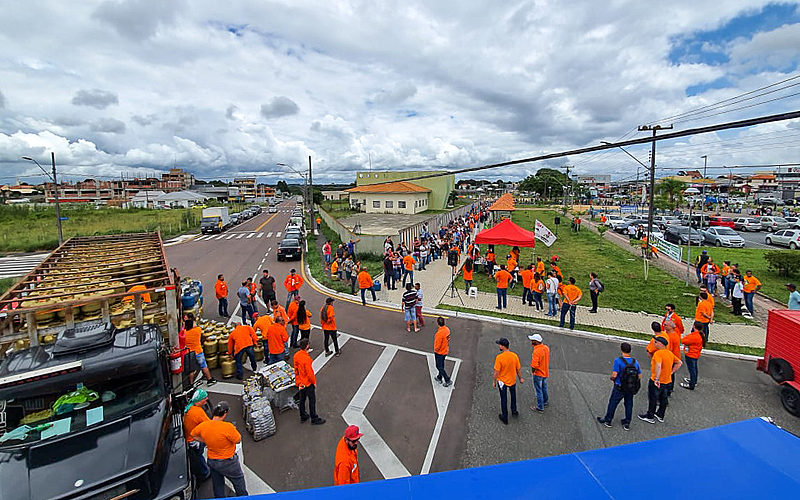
54 178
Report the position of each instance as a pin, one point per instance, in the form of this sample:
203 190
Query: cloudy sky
224 88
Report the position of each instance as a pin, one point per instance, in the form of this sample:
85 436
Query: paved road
382 381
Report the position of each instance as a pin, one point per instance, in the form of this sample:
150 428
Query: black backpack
629 378
600 287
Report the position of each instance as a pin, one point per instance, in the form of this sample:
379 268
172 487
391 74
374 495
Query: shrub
783 262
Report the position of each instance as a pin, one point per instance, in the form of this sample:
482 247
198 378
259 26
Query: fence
408 234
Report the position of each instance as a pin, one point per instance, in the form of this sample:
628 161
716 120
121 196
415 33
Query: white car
612 220
785 237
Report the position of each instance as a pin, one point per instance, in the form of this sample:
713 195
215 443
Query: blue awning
750 459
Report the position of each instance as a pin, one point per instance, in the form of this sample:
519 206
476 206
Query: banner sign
543 234
627 209
669 249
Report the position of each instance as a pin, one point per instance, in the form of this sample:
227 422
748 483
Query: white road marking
230 236
201 238
240 236
321 360
250 235
269 234
260 234
278 234
442 395
379 451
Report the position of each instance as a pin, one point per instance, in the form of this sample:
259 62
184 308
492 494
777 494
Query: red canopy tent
506 233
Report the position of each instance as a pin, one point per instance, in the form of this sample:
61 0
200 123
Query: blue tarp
750 459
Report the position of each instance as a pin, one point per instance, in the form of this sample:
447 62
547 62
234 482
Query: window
401 204
376 204
389 204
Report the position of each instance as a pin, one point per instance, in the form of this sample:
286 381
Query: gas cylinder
259 351
228 366
210 346
222 343
212 361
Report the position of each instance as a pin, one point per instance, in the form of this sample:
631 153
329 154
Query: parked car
794 222
723 237
747 224
681 234
613 219
770 223
294 234
665 220
785 238
289 248
716 221
622 227
770 200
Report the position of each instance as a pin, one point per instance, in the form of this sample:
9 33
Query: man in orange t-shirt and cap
345 463
506 372
364 284
276 341
240 343
540 371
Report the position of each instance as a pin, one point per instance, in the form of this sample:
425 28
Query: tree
673 189
543 179
283 187
317 197
451 198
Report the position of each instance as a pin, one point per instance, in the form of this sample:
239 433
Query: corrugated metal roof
505 202
389 187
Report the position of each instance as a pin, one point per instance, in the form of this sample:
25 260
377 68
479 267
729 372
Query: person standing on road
221 437
262 324
266 285
306 383
244 303
674 345
506 373
693 344
364 284
194 415
503 278
253 289
279 312
671 315
409 306
441 348
221 291
626 375
240 343
572 295
304 321
595 288
345 462
291 314
552 290
292 283
794 297
540 370
662 365
194 343
704 313
276 342
327 316
418 305
408 269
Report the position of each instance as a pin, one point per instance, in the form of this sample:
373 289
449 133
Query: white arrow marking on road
442 396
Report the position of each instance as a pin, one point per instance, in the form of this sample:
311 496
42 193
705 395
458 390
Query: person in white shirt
737 295
552 290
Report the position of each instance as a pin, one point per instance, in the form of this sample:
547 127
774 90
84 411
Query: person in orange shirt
571 296
673 316
503 278
345 462
303 316
291 317
693 344
511 267
194 415
540 266
490 262
662 365
704 313
527 293
505 375
327 316
441 348
240 343
335 270
557 269
221 291
276 342
221 437
306 383
364 284
252 288
468 270
751 286
540 370
262 324
136 288
408 269
193 335
538 290
292 283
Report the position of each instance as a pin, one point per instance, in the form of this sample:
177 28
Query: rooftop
389 187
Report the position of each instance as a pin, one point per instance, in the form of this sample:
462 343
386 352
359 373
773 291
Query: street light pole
651 194
305 181
54 177
703 208
638 200
311 198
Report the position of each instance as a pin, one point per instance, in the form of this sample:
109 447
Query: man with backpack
626 375
596 287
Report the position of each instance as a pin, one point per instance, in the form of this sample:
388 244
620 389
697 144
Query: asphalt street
383 382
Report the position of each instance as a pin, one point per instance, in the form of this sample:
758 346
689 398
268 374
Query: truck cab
90 416
782 357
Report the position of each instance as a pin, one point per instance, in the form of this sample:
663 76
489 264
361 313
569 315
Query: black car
289 248
100 424
680 235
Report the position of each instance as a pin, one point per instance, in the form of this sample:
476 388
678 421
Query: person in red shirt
345 463
540 371
221 291
503 278
276 341
441 348
292 283
693 344
240 343
306 383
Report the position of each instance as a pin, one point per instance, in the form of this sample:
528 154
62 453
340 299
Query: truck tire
780 370
791 400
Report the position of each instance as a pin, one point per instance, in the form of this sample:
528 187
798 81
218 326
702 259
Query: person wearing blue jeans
238 357
552 288
540 370
572 295
505 375
221 439
244 303
503 278
617 394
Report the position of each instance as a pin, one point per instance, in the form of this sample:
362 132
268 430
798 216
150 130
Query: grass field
6 283
752 258
621 272
27 230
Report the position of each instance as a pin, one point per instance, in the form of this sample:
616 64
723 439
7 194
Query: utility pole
703 207
651 193
311 197
567 187
58 203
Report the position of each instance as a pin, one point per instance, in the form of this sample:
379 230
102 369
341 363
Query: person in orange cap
345 463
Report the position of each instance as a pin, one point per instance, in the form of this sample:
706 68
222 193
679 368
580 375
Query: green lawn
621 272
751 258
338 209
6 283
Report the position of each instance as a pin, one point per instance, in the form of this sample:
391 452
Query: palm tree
673 188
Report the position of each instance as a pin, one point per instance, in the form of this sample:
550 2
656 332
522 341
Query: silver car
723 237
771 224
787 238
794 222
747 224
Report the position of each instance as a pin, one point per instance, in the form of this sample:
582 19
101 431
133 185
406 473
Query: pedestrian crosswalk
238 236
21 265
